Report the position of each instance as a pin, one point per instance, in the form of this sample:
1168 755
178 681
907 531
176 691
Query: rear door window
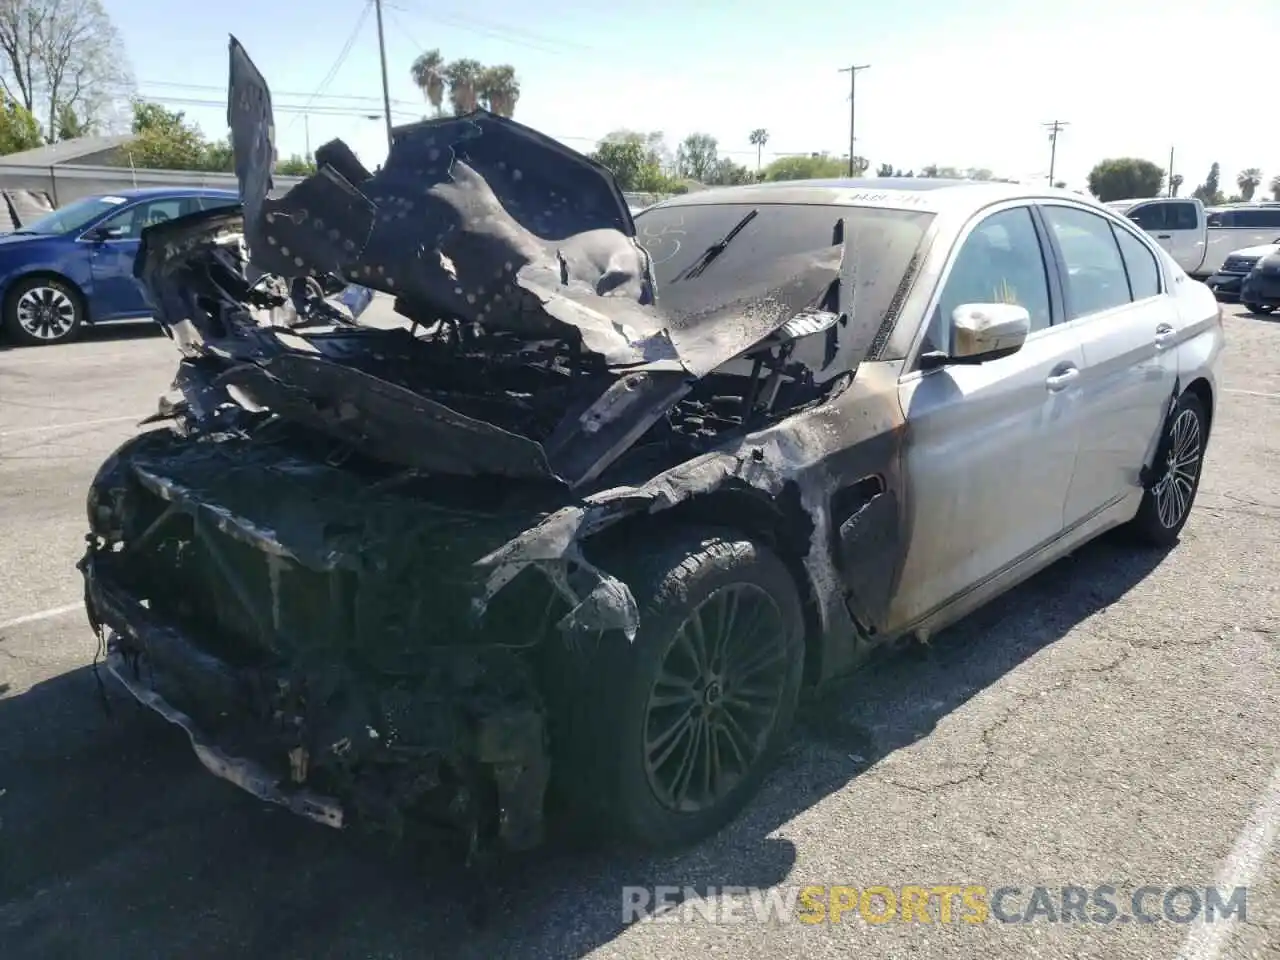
1183 216
1140 263
1096 279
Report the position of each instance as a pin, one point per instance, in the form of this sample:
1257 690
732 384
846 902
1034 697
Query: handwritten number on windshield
662 240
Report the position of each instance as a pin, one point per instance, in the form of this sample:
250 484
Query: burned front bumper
485 776
344 689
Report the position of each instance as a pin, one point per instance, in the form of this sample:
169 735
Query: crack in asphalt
1076 677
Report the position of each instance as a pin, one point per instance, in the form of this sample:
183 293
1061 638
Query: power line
221 88
517 36
342 57
323 110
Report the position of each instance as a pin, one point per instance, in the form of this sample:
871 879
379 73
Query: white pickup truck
1200 240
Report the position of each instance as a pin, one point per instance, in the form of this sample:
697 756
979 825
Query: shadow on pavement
106 333
116 843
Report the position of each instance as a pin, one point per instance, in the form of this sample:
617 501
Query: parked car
1260 290
1200 240
1226 282
618 492
74 267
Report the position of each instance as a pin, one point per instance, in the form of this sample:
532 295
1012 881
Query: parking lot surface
1114 722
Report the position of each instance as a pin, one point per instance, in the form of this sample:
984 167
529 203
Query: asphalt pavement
1113 722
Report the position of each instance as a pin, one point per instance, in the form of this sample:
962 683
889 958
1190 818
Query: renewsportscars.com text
936 903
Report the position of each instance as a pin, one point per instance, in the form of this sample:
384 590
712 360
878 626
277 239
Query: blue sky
958 83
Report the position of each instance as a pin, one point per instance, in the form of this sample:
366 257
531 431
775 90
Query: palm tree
428 75
1274 186
1248 181
1175 184
463 77
499 89
759 137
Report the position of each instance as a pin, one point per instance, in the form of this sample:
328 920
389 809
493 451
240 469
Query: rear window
881 242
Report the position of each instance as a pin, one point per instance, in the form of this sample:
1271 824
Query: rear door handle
1065 375
1164 335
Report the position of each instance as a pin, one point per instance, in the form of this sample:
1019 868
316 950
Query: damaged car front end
366 564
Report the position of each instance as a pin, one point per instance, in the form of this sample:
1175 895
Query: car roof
907 193
142 193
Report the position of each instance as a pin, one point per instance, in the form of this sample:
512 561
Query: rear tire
666 739
41 311
1258 308
1167 501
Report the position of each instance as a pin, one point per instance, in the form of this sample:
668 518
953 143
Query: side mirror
100 234
982 332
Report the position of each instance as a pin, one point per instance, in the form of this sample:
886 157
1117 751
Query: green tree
636 160
1125 178
463 78
219 157
164 140
697 156
57 54
1274 187
726 173
427 71
885 170
499 89
296 166
18 128
625 159
814 166
1248 181
69 125
759 137
1210 192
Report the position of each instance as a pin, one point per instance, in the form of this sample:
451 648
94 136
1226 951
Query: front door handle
1064 376
1164 336
1164 236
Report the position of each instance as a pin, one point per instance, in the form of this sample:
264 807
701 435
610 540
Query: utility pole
1054 127
853 89
1171 171
382 53
306 129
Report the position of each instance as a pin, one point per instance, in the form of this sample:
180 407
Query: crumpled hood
490 221
474 220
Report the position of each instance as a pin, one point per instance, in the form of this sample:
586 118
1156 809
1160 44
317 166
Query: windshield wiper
713 251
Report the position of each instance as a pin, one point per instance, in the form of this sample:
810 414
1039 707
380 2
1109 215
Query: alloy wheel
46 313
716 698
1175 488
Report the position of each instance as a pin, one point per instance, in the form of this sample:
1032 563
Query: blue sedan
74 266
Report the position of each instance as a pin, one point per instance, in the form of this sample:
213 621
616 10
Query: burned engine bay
344 554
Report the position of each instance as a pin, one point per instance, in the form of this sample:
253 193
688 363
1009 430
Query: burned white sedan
616 491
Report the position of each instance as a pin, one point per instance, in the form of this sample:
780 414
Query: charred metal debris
351 544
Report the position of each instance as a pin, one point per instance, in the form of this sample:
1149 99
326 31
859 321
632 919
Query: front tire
43 310
1166 504
672 734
